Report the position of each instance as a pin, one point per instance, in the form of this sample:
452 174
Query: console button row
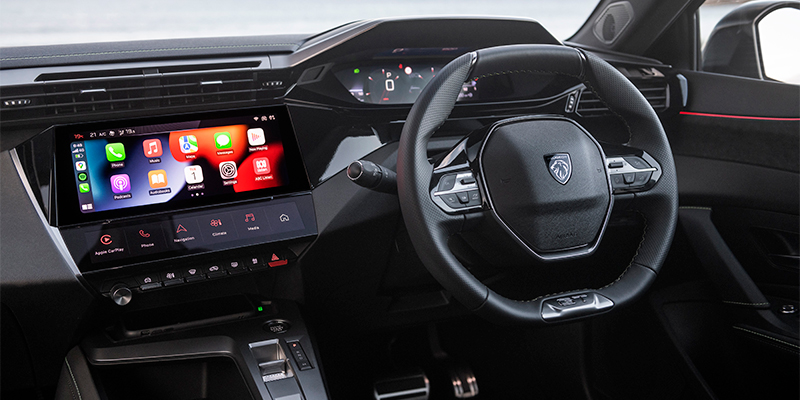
189 274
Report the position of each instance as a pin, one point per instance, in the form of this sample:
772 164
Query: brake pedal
406 387
465 385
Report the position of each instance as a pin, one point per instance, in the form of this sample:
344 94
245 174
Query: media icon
80 165
249 217
120 183
227 170
193 174
152 148
188 144
261 165
223 140
157 178
256 137
115 152
82 176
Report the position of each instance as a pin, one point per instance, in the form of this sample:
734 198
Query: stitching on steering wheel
585 82
641 242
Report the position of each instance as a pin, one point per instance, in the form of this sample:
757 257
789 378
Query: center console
182 226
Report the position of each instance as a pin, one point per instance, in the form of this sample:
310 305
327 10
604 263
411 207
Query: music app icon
152 148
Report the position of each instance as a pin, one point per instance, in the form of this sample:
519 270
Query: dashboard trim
52 231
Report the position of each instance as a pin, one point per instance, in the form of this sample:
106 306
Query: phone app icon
193 174
157 178
227 170
120 183
152 148
80 165
83 187
115 152
188 144
261 165
256 137
223 140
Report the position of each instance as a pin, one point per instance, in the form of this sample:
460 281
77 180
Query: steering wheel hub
546 181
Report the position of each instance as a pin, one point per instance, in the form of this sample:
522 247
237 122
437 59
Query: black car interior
402 208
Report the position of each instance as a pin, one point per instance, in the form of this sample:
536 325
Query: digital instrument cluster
398 76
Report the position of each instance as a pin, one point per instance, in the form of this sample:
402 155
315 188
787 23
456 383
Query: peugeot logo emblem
560 167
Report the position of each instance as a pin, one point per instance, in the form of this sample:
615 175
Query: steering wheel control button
574 306
467 180
636 162
642 178
617 181
474 198
447 182
629 177
463 197
451 200
615 164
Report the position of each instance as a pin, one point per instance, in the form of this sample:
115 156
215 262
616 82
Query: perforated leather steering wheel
543 178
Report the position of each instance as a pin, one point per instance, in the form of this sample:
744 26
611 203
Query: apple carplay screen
138 167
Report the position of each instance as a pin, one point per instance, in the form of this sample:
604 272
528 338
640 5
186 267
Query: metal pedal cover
465 385
406 387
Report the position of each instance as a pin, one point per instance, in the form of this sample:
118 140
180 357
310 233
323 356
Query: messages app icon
115 152
223 140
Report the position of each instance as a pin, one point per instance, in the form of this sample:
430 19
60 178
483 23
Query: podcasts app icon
120 183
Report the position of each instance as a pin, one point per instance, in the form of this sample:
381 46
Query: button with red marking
277 260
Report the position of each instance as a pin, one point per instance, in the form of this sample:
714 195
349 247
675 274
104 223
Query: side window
755 39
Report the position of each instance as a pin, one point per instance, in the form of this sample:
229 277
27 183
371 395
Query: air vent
151 88
655 90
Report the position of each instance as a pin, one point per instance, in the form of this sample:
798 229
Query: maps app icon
188 144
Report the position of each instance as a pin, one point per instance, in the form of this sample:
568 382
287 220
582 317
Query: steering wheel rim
430 227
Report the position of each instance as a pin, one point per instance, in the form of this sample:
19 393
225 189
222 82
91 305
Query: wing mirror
756 40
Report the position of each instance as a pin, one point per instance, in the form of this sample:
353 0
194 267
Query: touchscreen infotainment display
119 169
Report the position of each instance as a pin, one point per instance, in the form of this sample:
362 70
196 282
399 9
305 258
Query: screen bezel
66 205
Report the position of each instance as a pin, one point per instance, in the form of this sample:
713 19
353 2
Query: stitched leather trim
74 382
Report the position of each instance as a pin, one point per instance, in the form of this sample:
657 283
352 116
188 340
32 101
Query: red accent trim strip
738 116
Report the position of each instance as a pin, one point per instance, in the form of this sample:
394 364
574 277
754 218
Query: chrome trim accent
551 311
626 167
561 254
361 172
89 91
210 83
458 186
52 231
460 148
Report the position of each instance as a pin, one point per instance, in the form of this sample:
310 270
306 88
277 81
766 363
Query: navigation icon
180 229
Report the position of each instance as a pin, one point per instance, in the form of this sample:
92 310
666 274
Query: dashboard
187 174
135 191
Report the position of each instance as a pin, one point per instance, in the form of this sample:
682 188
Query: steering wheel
543 179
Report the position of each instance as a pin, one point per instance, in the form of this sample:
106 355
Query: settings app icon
227 170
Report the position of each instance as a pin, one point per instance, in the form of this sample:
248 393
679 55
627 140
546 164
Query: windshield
41 22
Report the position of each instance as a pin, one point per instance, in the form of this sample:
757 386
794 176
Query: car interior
429 207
